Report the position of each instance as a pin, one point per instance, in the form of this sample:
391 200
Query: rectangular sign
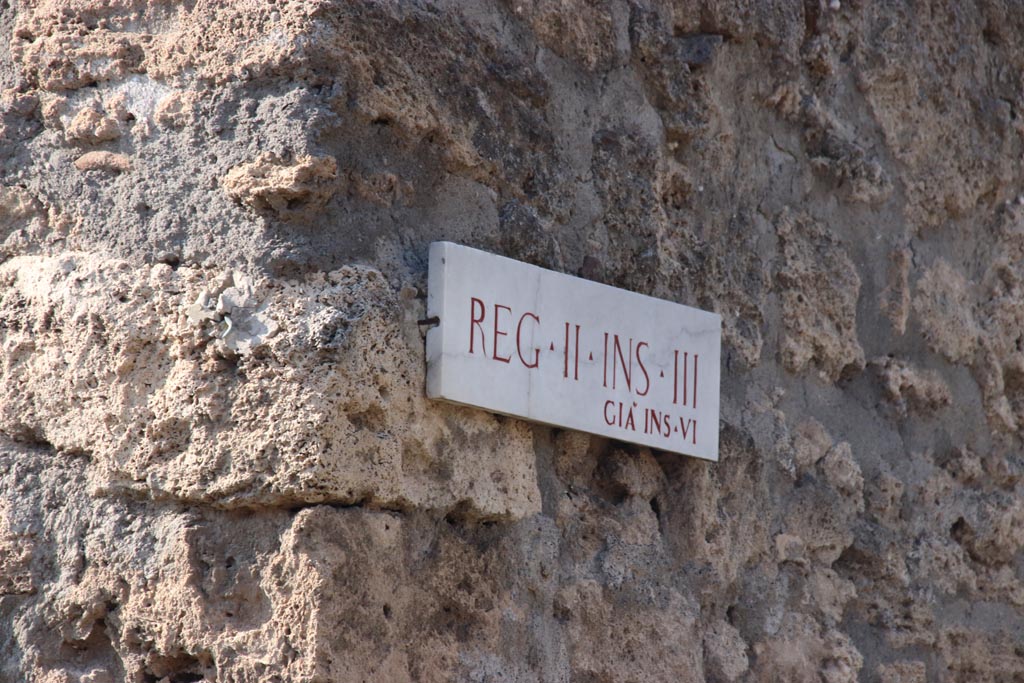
532 343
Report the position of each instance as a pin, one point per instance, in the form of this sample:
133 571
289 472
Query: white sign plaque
516 339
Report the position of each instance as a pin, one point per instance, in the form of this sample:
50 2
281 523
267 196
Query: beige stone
103 161
92 126
909 388
943 305
842 471
903 672
331 409
271 184
810 444
819 287
216 459
725 656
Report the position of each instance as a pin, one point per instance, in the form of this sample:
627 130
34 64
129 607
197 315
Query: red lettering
684 424
497 333
576 366
565 356
617 353
519 341
565 353
611 422
475 321
695 382
675 378
686 363
640 362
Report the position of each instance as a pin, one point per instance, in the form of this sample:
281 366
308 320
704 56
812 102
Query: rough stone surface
216 459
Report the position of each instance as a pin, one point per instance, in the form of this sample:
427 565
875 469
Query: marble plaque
543 346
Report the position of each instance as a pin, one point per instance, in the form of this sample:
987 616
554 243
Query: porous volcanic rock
217 461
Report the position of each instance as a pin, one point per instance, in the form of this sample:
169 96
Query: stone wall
273 499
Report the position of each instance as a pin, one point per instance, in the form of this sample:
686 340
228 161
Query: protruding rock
912 389
945 312
284 187
176 109
725 653
16 204
92 126
810 444
582 31
103 161
843 472
819 287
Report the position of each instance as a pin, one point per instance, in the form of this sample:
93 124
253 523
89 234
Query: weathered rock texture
216 459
